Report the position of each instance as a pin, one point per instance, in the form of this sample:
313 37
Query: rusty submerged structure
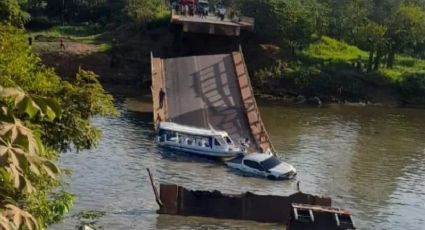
296 211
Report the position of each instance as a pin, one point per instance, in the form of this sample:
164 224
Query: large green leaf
27 106
48 106
32 105
20 154
19 135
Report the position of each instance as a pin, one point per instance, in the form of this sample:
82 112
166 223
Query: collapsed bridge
209 91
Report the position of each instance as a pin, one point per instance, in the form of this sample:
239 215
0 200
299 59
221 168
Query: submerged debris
296 211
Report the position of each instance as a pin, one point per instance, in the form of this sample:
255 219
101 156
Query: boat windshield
219 141
270 163
228 140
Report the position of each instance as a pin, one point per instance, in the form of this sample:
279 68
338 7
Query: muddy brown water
369 160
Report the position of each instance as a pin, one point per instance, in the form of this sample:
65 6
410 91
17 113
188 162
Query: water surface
369 160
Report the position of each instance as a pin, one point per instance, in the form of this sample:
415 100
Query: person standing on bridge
161 98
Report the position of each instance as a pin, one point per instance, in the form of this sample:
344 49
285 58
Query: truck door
254 167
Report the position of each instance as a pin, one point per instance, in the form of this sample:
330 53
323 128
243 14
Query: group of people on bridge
188 9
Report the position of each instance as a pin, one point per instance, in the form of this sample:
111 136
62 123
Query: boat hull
199 152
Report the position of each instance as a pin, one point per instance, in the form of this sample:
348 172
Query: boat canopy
190 130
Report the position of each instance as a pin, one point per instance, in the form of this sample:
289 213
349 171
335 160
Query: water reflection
359 156
369 160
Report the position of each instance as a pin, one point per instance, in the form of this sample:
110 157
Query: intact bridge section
209 91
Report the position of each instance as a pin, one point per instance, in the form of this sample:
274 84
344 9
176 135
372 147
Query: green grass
104 47
404 66
77 31
85 33
330 51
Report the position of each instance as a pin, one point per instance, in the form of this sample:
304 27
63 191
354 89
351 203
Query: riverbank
328 71
336 72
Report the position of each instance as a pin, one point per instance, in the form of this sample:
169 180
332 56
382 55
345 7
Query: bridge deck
209 90
212 25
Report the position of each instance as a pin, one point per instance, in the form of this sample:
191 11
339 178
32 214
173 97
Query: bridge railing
256 124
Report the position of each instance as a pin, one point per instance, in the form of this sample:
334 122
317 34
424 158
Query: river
370 160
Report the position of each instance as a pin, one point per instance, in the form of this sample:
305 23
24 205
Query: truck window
253 164
270 163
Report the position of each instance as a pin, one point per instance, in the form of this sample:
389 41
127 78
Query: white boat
207 142
264 165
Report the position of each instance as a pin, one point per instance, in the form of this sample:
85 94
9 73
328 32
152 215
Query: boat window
216 142
228 140
162 138
161 132
253 164
171 136
270 163
206 143
189 141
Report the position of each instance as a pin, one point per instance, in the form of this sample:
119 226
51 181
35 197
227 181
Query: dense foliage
385 26
48 12
40 116
328 38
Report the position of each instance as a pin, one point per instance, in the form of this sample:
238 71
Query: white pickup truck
264 165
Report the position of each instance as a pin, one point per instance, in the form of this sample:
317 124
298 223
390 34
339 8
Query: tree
406 30
286 20
371 37
22 154
11 12
40 116
346 16
143 11
297 21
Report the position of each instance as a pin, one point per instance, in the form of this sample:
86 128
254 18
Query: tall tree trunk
369 63
377 58
390 60
391 55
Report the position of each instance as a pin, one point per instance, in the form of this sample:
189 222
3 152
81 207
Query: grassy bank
48 40
329 51
329 69
119 54
336 71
